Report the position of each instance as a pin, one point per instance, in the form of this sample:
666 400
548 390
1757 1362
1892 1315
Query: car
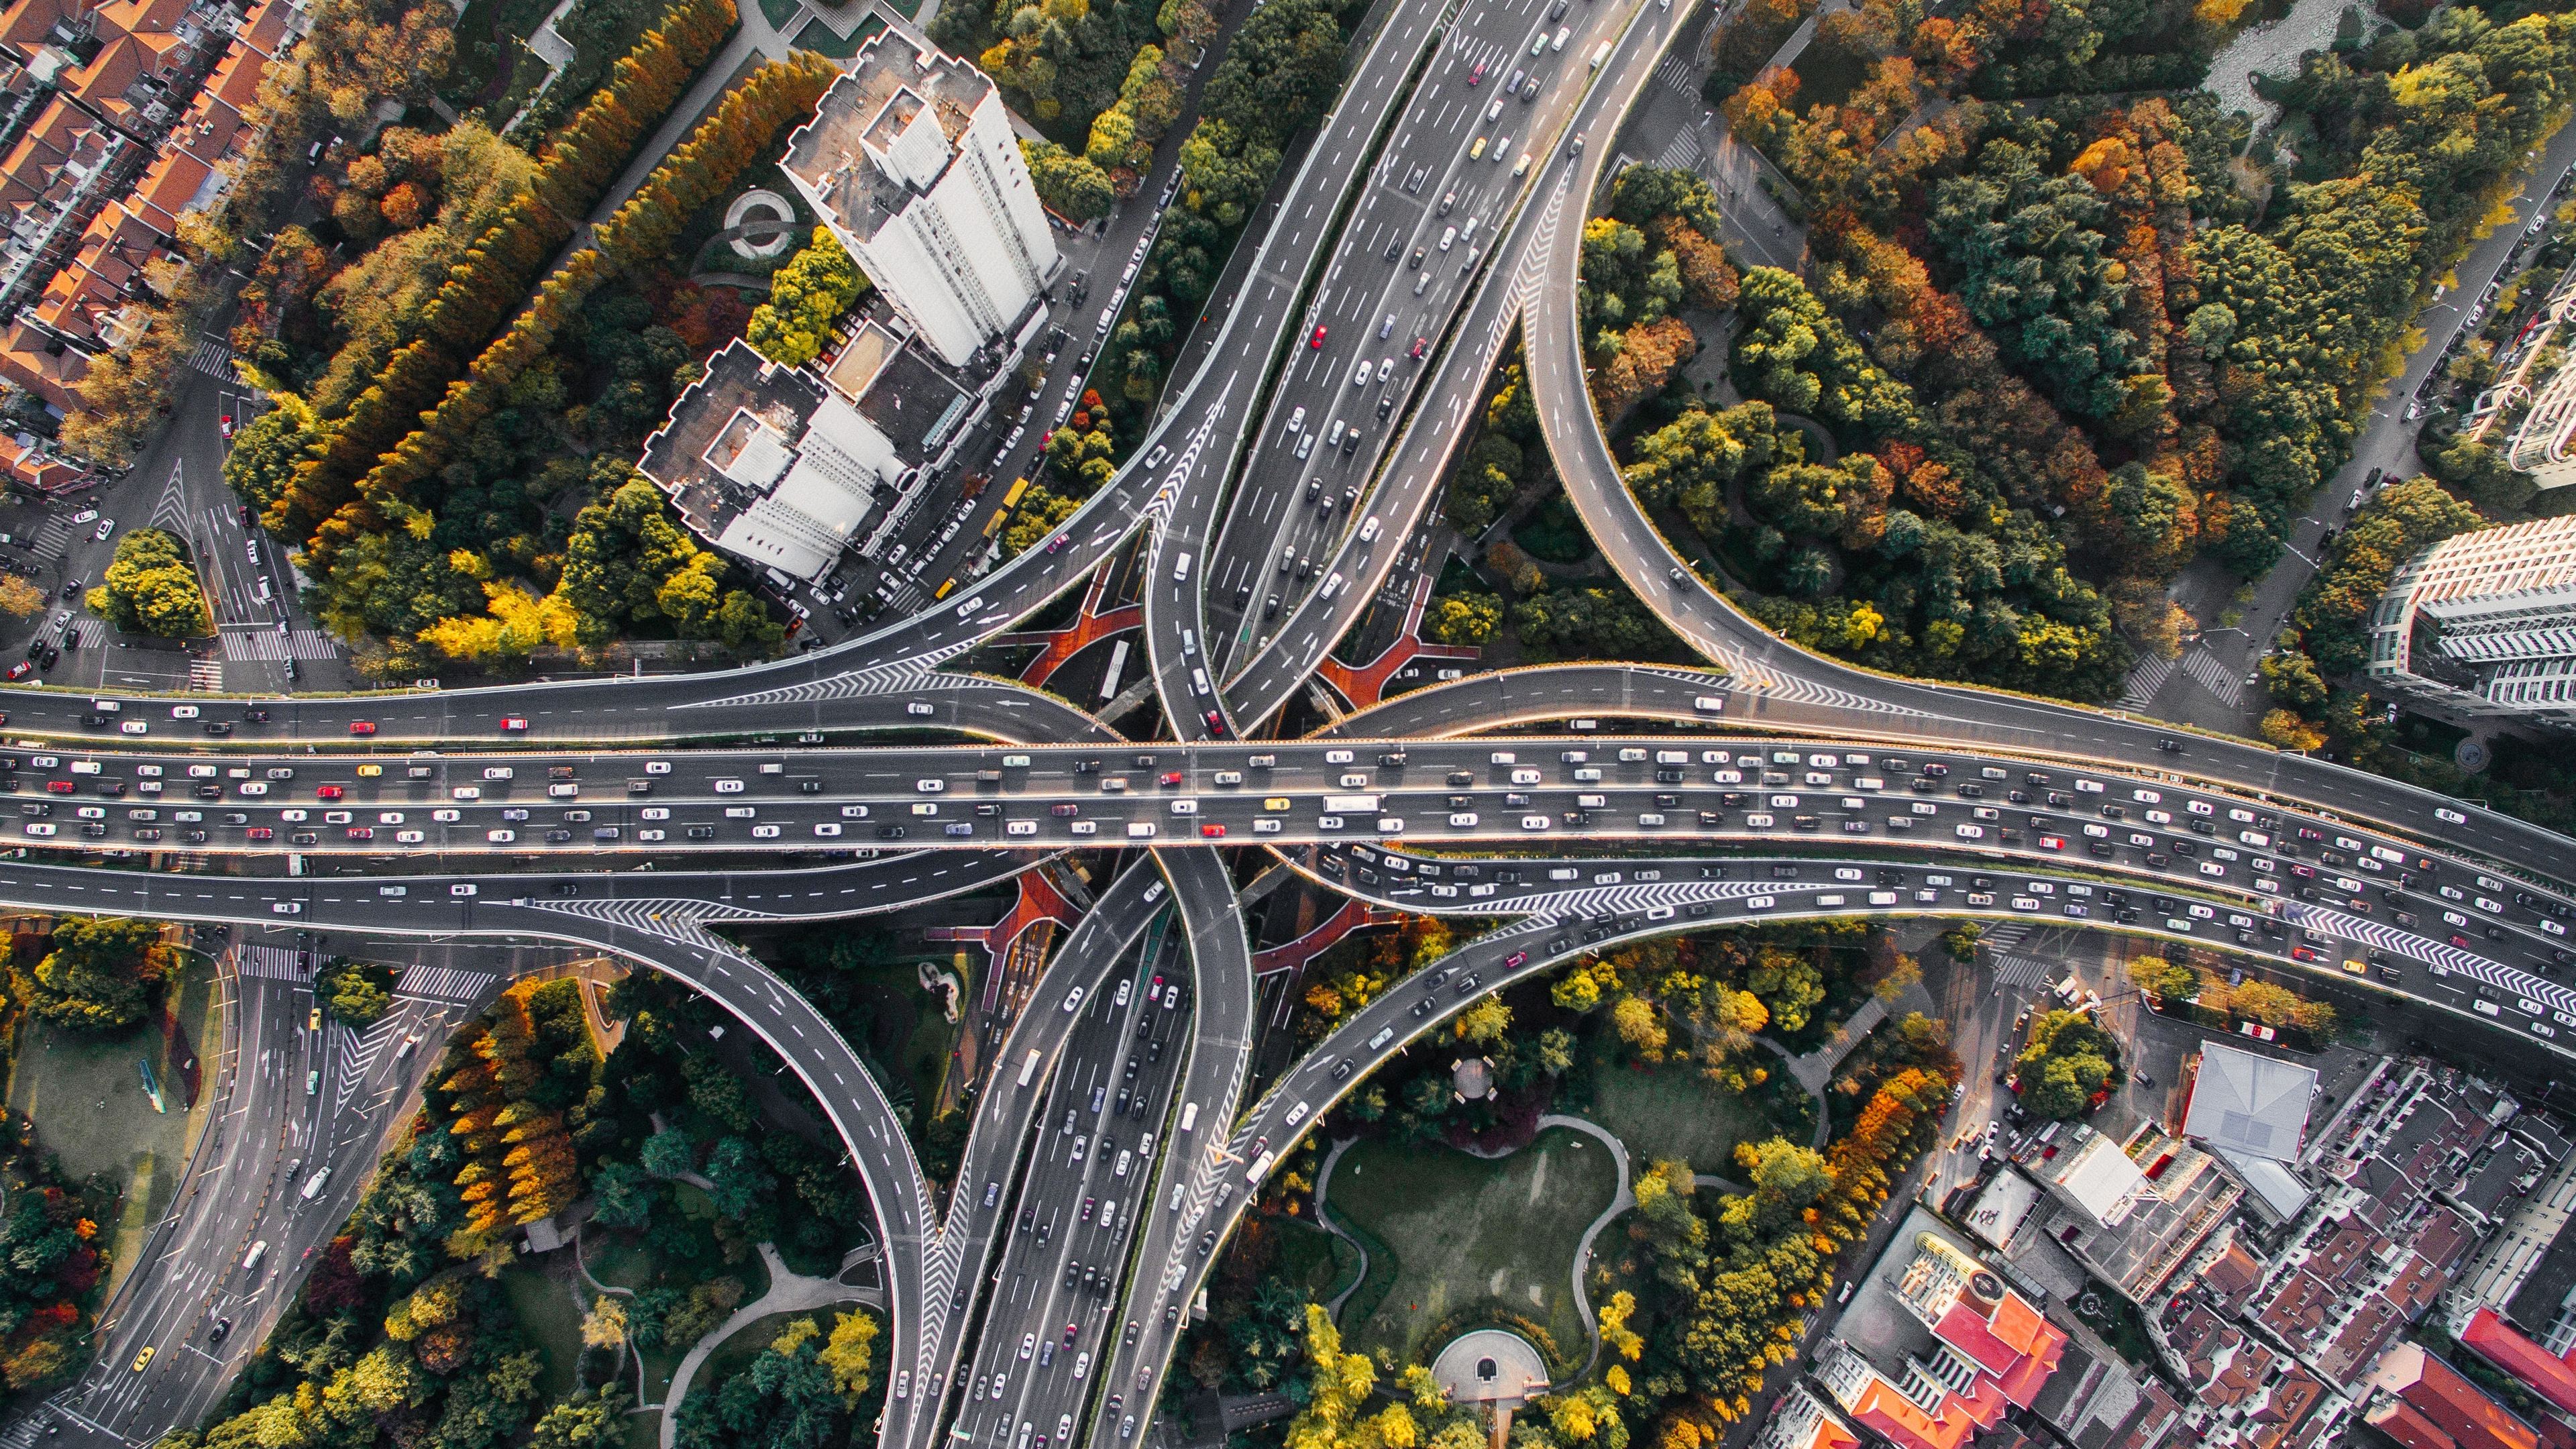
106 526
1317 341
143 1358
330 792
134 727
362 727
21 669
514 724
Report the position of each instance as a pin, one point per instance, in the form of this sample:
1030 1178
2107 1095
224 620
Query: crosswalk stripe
2213 676
443 983
270 645
2146 681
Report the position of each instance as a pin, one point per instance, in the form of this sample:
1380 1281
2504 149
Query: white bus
1350 804
1029 1068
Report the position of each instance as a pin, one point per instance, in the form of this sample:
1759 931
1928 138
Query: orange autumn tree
512 1116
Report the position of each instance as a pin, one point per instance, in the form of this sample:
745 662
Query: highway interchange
1111 1147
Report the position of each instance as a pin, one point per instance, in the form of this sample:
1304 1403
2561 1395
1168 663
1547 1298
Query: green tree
815 288
101 972
150 588
2068 1059
1073 187
355 993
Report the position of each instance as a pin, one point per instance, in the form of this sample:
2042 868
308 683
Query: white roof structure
2245 1104
2099 1178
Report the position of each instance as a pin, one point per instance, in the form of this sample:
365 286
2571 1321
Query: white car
500 837
107 526
410 837
926 787
917 708
287 908
85 515
828 827
1533 822
134 727
183 711
764 832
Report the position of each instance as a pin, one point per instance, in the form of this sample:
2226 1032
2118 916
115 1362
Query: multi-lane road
1040 1295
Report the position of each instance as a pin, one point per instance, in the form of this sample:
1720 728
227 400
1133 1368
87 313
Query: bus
1350 804
1011 499
1189 1115
1029 1068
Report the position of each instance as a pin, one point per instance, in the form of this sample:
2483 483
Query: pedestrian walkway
2209 673
206 674
271 645
444 983
789 1292
2021 971
214 359
2145 682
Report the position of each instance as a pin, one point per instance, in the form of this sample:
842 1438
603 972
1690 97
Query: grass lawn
84 1091
779 12
1319 1264
546 1310
1468 1231
818 37
1671 1111
614 1261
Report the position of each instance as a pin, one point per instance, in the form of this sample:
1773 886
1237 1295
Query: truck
1350 804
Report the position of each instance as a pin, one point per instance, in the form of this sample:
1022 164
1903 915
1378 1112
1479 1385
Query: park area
1469 1236
85 1092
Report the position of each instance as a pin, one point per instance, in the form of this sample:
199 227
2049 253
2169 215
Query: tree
2068 1059
100 973
1469 618
593 1418
604 1326
1074 187
2159 977
150 588
355 993
851 1355
1484 1023
806 297
20 599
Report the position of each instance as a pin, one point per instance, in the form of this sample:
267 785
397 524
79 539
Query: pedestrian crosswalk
1682 154
2213 676
206 674
444 983
269 963
1677 72
213 358
2021 971
52 536
2145 682
271 645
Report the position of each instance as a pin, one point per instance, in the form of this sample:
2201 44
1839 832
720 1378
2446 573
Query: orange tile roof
2501 1344
265 28
28 22
2399 1421
165 191
51 376
2442 1394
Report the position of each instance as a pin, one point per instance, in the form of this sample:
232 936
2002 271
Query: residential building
912 162
2424 1403
2131 1212
1938 1349
1800 1420
2485 624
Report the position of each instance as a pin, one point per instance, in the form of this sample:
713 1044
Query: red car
1216 724
261 832
58 787
1212 832
1476 75
330 792
513 724
1171 777
362 832
21 669
1421 345
362 726
1515 961
1317 341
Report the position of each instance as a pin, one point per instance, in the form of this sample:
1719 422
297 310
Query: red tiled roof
2399 1421
1965 1330
28 22
2501 1344
2462 1409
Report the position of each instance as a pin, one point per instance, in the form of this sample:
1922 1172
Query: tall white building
911 161
2485 624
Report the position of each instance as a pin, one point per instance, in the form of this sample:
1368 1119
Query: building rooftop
2544 1373
2165 1195
870 146
914 404
2248 1103
2448 1401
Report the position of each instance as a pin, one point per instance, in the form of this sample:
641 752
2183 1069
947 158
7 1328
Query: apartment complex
912 162
2431 1208
116 120
2485 624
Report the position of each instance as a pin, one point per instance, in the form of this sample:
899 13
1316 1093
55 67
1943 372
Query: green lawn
1317 1263
818 37
1467 1231
780 13
616 1262
546 1311
1671 1111
85 1093
484 32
